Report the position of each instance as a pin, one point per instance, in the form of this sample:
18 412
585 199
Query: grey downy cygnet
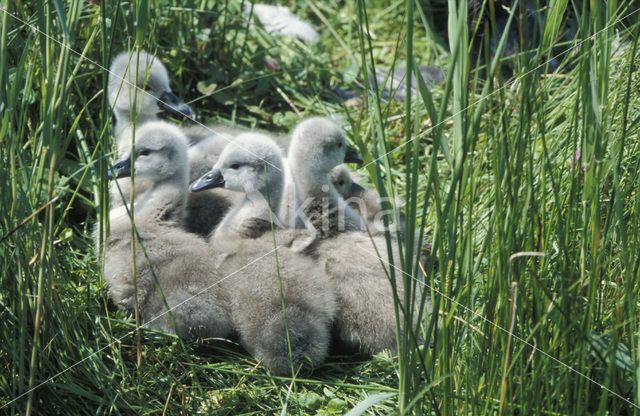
358 266
365 201
251 165
281 305
365 315
138 92
199 214
356 262
180 260
317 146
205 153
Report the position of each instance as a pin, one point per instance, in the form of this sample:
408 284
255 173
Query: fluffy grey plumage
147 91
180 260
149 85
365 201
342 179
137 81
205 152
140 81
365 318
243 247
317 146
257 303
252 165
138 91
201 213
205 210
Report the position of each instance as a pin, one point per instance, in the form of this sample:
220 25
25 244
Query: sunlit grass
533 264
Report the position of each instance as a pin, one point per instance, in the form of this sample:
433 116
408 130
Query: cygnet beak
122 169
352 156
212 179
171 105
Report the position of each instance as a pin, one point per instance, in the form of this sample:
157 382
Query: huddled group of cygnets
248 234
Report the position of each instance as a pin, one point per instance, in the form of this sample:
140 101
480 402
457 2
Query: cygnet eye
148 88
145 152
341 183
235 166
339 144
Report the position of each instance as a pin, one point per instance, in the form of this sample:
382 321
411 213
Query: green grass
534 261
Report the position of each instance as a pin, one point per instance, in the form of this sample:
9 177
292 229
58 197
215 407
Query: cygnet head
319 145
160 155
149 85
340 177
252 162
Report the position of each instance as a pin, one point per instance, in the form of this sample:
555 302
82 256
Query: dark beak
356 189
170 104
122 169
212 179
352 156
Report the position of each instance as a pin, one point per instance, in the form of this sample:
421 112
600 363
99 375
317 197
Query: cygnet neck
254 214
314 183
164 204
